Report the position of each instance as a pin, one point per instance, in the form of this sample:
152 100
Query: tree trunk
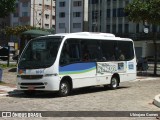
155 53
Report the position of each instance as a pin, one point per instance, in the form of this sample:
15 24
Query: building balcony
24 1
138 36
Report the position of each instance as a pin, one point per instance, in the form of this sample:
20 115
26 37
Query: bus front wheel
64 89
114 83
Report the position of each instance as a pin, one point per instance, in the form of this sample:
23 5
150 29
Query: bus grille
31 76
38 85
32 83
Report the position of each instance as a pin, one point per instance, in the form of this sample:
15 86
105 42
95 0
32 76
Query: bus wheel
64 89
114 83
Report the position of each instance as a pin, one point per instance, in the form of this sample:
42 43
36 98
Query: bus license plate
31 87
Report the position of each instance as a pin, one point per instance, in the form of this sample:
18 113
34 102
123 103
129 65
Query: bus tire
64 88
114 83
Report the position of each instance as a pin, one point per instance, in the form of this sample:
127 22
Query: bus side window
108 50
74 51
126 48
91 50
65 57
70 52
85 53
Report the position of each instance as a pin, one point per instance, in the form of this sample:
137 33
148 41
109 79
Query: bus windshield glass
40 53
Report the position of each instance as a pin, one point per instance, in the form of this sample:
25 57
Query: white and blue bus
63 62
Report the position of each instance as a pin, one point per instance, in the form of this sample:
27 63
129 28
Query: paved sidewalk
5 89
9 77
142 78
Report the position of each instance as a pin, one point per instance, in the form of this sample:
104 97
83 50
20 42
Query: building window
15 24
24 14
77 3
61 25
120 28
126 2
46 6
46 25
137 28
53 17
108 29
108 13
76 14
25 23
53 26
114 13
61 4
25 4
62 14
16 5
94 1
15 14
94 14
114 28
126 28
121 12
40 4
47 16
76 25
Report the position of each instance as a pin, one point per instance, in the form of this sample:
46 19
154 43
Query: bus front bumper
46 83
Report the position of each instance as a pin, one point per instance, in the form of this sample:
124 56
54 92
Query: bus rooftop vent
95 34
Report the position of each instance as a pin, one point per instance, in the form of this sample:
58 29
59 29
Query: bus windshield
40 53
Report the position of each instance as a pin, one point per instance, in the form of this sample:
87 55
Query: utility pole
69 15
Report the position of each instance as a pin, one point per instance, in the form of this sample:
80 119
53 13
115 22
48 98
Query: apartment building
108 16
71 16
37 13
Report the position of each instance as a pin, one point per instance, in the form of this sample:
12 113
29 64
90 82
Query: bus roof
87 34
91 35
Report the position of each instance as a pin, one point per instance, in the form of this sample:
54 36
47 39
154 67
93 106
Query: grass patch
2 83
5 66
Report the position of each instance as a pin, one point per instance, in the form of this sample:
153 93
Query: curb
145 79
157 100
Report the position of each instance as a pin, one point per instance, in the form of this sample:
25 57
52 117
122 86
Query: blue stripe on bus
77 68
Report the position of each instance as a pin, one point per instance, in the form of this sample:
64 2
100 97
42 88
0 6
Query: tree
17 30
6 7
146 11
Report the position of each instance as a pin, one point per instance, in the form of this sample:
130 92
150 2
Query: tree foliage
6 7
144 10
17 30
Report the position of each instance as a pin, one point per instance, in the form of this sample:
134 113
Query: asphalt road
130 96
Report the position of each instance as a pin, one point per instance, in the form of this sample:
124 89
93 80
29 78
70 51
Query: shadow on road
12 70
146 74
42 94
